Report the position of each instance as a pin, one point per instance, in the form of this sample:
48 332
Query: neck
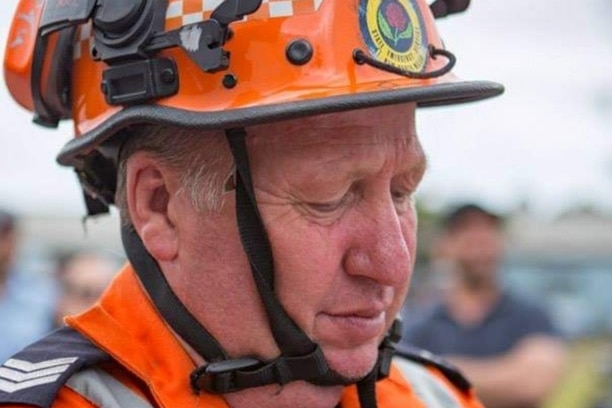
299 394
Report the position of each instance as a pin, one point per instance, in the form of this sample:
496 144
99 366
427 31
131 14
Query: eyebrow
417 171
423 164
422 161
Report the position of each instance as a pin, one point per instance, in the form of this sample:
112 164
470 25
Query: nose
381 245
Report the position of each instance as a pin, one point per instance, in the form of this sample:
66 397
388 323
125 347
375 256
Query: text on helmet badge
394 33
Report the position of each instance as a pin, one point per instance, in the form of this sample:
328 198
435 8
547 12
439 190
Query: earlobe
149 190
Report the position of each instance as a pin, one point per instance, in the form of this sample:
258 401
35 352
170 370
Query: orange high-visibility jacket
148 366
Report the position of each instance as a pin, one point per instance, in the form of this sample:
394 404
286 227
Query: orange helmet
107 64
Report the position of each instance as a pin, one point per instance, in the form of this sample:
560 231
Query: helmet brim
435 95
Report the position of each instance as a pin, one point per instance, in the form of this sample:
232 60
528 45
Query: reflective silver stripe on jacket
104 391
426 386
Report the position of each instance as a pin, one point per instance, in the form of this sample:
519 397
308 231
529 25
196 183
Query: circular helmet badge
394 33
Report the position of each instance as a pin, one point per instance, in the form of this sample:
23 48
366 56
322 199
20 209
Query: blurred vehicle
575 291
577 294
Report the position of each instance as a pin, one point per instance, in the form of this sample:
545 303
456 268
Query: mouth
352 328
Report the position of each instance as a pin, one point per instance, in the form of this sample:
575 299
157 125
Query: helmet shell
288 59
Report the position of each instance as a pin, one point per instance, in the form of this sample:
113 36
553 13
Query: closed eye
331 206
403 200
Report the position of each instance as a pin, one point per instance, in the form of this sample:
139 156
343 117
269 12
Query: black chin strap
221 374
291 340
166 301
300 359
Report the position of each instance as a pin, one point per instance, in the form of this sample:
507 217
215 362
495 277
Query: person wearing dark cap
507 345
26 299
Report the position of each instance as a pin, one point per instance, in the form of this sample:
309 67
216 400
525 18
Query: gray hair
202 158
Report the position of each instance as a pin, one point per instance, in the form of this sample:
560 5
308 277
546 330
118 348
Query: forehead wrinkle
327 141
333 153
336 128
404 154
335 145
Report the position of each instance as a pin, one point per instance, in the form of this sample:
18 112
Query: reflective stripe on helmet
182 12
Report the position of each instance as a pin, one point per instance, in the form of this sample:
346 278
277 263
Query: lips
351 328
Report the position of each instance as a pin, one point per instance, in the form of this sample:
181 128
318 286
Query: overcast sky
547 141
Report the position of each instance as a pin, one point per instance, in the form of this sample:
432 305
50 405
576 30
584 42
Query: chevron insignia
16 375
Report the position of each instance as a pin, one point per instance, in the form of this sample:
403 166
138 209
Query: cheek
307 261
308 265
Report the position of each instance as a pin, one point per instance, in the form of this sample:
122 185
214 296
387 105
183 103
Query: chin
353 363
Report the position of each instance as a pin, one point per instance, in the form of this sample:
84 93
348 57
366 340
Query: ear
150 187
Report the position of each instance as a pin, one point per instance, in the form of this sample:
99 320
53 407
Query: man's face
335 195
477 247
82 281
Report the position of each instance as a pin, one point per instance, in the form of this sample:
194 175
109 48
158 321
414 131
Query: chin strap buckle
227 376
220 377
387 349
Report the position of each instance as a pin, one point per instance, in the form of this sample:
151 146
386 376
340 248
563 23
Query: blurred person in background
506 345
82 277
26 298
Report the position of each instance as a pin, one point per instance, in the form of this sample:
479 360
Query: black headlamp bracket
140 81
127 34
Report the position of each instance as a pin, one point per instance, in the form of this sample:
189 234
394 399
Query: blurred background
541 155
